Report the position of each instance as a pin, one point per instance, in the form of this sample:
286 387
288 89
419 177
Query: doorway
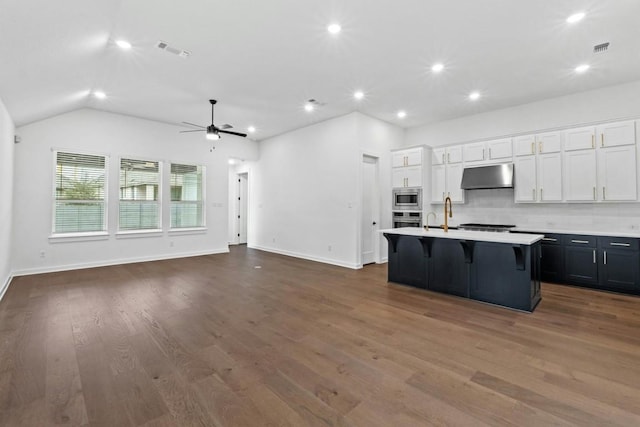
370 209
242 207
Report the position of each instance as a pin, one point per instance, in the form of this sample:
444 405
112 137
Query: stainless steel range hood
493 176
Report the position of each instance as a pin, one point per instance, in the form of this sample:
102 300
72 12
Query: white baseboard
352 266
56 268
5 286
383 261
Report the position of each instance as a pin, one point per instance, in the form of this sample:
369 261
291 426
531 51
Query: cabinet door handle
604 260
602 139
541 196
443 196
594 193
593 141
594 256
489 152
443 158
626 245
549 239
540 147
533 148
604 193
584 242
448 157
534 194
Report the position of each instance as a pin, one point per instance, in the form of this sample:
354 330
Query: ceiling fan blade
195 130
226 126
193 124
232 133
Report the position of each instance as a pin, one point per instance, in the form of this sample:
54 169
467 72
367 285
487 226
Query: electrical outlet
42 254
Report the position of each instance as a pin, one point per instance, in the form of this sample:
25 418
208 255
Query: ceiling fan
213 132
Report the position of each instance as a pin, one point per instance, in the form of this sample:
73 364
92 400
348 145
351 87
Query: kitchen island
497 268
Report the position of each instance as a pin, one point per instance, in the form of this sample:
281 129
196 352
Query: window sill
136 234
185 231
78 237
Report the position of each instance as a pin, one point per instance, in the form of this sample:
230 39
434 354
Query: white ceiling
263 59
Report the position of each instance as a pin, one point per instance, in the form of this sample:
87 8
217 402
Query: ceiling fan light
212 133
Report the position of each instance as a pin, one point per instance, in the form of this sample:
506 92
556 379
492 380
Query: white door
242 207
370 207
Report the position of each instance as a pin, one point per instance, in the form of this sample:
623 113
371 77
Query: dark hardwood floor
216 341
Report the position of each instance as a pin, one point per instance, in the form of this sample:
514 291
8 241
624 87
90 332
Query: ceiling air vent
602 47
168 48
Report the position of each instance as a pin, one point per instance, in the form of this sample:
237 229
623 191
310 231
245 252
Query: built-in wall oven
407 219
407 199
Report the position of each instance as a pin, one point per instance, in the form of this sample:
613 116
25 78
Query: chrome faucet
426 227
446 222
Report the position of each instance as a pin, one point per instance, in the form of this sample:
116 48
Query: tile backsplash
496 206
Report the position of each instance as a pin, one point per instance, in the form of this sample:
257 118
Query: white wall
115 135
304 193
497 206
6 195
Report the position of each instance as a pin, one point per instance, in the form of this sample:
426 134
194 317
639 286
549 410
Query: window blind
139 190
187 204
79 198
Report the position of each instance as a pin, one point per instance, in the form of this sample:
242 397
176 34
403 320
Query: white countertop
480 236
590 231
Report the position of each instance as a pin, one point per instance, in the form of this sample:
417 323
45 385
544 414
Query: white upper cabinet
550 142
406 177
474 152
446 174
580 177
549 177
615 134
499 149
525 186
617 173
404 158
524 145
580 138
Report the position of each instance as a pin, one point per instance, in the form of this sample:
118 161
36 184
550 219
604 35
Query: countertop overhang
479 236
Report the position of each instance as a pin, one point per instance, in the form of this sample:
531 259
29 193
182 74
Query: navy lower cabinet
619 264
552 262
499 273
407 263
497 267
449 273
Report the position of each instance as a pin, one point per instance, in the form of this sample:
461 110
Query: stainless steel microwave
407 199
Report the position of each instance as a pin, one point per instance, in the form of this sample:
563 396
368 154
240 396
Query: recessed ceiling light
251 129
582 68
123 44
437 67
99 94
334 28
575 17
358 94
474 96
232 162
308 107
402 114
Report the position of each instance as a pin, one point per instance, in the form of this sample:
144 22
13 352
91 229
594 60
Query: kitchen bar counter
497 268
591 231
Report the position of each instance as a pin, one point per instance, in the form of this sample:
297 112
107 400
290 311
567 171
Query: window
80 193
187 208
139 191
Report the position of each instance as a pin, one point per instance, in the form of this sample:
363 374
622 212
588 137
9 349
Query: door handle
594 256
604 260
549 239
626 245
584 242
